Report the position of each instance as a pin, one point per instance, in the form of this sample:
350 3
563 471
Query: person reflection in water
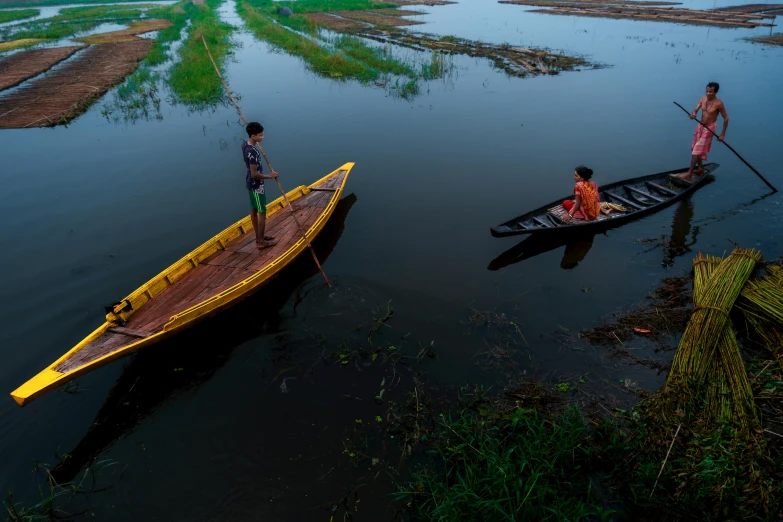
575 252
586 204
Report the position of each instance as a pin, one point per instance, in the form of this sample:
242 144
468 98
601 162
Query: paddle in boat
214 276
623 200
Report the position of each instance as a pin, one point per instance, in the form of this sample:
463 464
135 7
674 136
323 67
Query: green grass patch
379 58
193 79
178 14
520 466
512 458
329 63
10 16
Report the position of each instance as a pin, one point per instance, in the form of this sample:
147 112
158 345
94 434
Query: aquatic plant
74 20
21 14
329 63
520 465
323 6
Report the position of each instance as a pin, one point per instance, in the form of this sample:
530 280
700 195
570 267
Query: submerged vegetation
74 20
192 79
351 39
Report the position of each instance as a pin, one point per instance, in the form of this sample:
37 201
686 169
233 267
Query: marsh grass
518 465
40 3
342 57
193 79
524 459
379 58
10 16
75 20
323 6
58 501
320 59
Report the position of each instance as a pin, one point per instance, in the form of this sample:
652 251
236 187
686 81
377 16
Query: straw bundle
708 361
762 306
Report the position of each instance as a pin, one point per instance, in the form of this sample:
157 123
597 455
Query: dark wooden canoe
639 196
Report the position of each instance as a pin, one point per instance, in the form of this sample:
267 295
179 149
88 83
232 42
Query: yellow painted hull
50 378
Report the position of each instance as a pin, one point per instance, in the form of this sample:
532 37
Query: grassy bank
707 445
10 16
517 466
496 460
193 78
138 97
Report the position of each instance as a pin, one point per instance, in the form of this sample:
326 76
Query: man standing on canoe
254 182
710 106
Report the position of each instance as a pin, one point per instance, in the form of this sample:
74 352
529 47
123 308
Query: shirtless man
710 106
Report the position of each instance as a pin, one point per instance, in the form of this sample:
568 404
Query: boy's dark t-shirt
252 156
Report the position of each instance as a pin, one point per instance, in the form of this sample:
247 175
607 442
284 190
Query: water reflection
576 248
679 244
148 381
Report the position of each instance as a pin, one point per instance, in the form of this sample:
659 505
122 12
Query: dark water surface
200 427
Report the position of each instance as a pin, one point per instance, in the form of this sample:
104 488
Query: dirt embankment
64 94
24 65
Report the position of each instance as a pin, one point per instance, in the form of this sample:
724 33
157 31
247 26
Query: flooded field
293 404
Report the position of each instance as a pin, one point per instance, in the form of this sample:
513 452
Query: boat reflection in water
577 246
147 382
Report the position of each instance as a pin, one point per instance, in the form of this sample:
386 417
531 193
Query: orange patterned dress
591 204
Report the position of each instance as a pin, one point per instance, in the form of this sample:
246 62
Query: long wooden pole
288 203
731 149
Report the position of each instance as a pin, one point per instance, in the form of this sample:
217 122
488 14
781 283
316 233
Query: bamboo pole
266 159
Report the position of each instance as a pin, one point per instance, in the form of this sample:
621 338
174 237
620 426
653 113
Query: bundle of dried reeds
761 303
708 364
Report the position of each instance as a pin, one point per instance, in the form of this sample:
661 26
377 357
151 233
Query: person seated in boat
254 182
586 204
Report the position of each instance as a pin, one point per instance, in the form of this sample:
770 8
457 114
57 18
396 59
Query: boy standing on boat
254 182
710 106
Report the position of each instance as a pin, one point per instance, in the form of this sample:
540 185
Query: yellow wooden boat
211 278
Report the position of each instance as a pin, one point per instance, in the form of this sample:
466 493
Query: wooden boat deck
239 260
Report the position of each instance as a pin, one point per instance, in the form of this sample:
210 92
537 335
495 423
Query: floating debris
652 11
61 96
127 35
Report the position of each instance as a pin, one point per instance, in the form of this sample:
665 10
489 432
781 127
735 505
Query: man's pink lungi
702 140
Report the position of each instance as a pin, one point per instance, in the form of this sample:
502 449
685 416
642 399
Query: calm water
199 428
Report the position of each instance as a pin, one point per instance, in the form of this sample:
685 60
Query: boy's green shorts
257 201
